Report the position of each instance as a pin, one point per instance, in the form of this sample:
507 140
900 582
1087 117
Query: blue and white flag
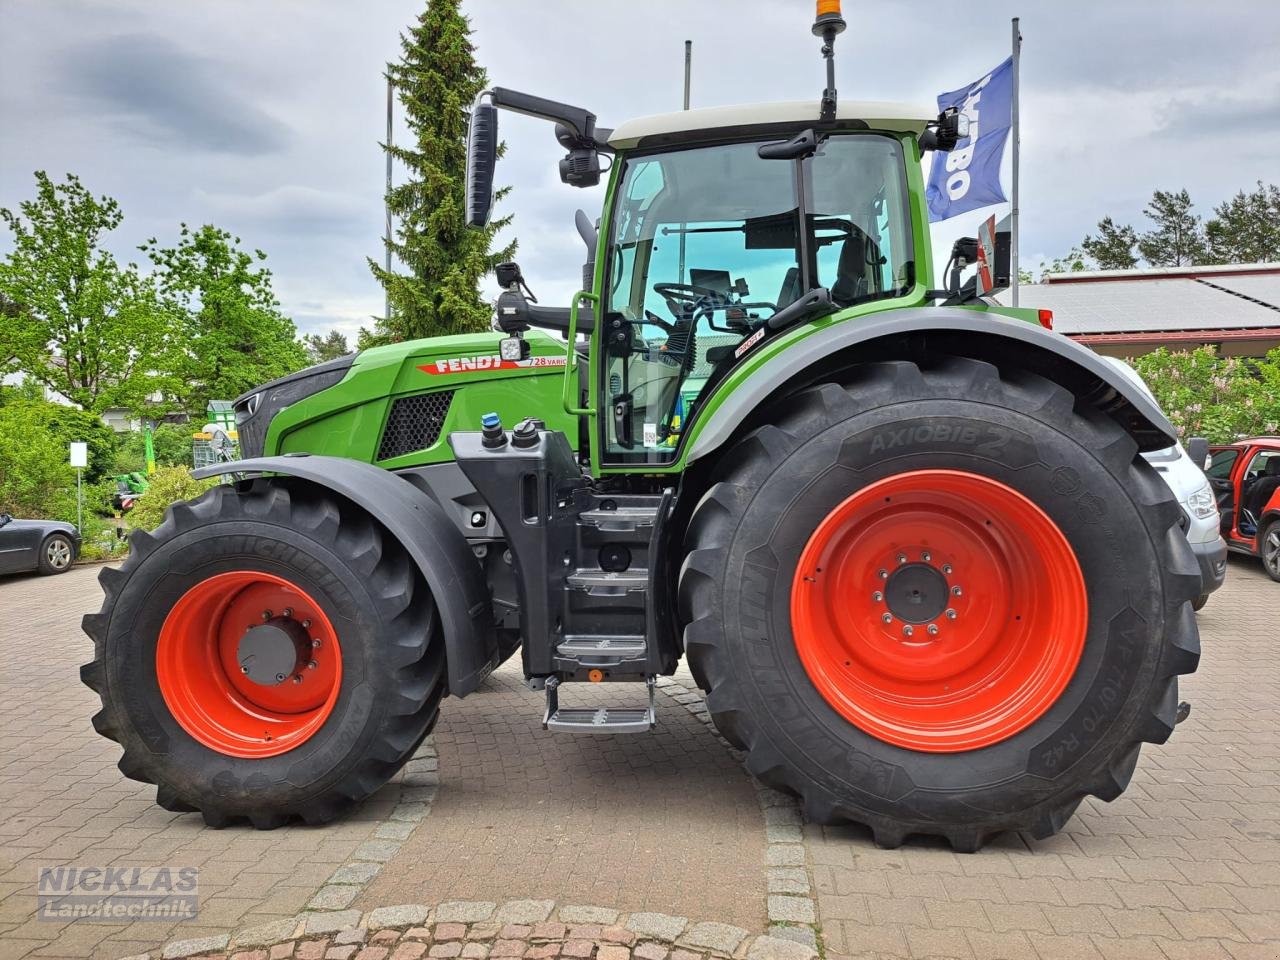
969 176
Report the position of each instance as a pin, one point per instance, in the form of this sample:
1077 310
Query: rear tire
1014 431
1198 603
161 638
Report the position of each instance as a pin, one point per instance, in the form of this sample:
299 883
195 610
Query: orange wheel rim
248 664
939 610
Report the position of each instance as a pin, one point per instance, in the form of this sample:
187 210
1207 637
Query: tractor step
603 720
609 648
620 519
601 583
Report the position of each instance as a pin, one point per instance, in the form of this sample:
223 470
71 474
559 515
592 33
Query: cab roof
714 123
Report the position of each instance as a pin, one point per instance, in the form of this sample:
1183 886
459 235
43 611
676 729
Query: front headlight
1202 504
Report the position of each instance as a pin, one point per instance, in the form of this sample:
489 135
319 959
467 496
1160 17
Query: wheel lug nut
956 591
926 556
287 612
311 665
884 574
266 615
902 558
315 643
946 568
297 678
244 669
306 624
877 596
908 630
933 629
951 614
279 678
887 618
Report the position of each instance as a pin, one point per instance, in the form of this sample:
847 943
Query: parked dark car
44 545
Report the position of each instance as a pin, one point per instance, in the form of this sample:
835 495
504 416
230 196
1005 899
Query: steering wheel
686 291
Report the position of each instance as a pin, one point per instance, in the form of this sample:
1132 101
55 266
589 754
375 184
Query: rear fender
429 536
919 333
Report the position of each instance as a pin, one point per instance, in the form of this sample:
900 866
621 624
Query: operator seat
1254 500
853 278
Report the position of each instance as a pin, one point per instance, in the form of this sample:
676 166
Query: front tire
267 653
1033 523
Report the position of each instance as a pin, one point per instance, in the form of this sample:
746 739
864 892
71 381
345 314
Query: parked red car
1246 480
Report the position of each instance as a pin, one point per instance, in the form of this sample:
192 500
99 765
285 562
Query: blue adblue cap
490 420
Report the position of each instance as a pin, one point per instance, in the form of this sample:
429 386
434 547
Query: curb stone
414 930
789 883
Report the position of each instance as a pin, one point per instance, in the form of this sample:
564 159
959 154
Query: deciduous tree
234 335
331 346
76 321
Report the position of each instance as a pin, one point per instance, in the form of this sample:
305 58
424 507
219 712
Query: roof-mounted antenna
828 24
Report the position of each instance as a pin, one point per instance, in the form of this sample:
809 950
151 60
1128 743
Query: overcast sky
264 116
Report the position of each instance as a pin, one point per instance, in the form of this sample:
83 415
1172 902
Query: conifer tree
437 80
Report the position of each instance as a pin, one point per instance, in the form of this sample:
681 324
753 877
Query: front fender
426 533
920 332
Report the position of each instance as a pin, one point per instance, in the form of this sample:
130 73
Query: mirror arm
580 121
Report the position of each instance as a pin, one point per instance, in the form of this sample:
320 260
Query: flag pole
1013 214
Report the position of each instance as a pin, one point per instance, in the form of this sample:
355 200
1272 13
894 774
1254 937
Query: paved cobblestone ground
667 822
1185 865
63 801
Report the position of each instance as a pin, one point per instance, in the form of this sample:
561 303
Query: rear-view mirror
482 157
1198 451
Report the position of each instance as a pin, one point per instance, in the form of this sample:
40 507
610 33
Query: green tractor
903 537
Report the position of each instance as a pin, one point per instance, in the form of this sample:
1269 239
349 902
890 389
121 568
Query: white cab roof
719 121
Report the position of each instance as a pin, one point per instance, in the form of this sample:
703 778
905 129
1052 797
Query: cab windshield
706 244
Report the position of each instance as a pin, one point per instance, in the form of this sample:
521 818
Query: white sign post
79 460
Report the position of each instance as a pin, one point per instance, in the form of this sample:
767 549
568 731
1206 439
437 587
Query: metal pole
688 70
79 502
387 302
1013 214
688 75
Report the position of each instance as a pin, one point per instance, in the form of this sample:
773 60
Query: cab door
1221 472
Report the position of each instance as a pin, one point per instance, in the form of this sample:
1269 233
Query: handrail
570 386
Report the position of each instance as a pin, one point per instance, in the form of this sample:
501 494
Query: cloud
1217 115
288 208
151 88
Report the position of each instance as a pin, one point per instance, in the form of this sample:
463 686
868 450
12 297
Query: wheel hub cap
917 593
273 652
939 610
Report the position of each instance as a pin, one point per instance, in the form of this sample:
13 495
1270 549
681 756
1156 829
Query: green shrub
1221 398
171 442
101 540
36 479
64 424
168 485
